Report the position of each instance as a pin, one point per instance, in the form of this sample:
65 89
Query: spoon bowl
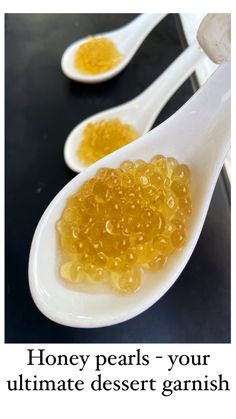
198 134
127 40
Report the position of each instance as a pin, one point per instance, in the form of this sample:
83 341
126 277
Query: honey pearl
178 238
71 271
138 163
128 282
117 264
122 221
180 189
157 158
99 275
185 205
171 165
182 173
157 263
101 192
127 165
101 173
163 245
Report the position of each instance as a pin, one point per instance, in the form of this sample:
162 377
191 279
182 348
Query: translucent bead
139 163
178 224
121 243
127 166
101 173
180 189
178 238
100 275
157 180
144 180
71 271
159 223
160 165
127 282
68 244
90 269
185 205
113 227
171 165
85 259
130 257
101 192
112 181
163 245
182 174
150 190
180 214
127 180
170 204
158 199
157 263
101 259
117 264
69 214
156 159
87 188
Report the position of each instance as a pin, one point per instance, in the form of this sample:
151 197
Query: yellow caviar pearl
124 220
178 238
128 282
182 173
127 166
185 205
71 271
180 189
100 275
163 245
157 263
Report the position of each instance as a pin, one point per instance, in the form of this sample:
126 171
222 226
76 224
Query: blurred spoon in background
127 40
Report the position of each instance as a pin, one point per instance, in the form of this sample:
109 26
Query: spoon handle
206 119
138 29
154 98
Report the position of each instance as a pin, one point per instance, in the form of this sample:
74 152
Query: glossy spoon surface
198 134
127 40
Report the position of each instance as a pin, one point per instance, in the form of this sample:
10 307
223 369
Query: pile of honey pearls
104 137
96 56
124 221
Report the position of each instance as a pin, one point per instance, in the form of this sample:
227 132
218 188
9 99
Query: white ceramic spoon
141 111
197 134
127 39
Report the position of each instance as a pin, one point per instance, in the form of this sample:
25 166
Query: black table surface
42 106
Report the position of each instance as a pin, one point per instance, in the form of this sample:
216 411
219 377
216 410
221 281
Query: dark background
42 106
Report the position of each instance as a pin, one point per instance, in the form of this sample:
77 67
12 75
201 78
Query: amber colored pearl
182 173
180 189
128 282
178 238
157 263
